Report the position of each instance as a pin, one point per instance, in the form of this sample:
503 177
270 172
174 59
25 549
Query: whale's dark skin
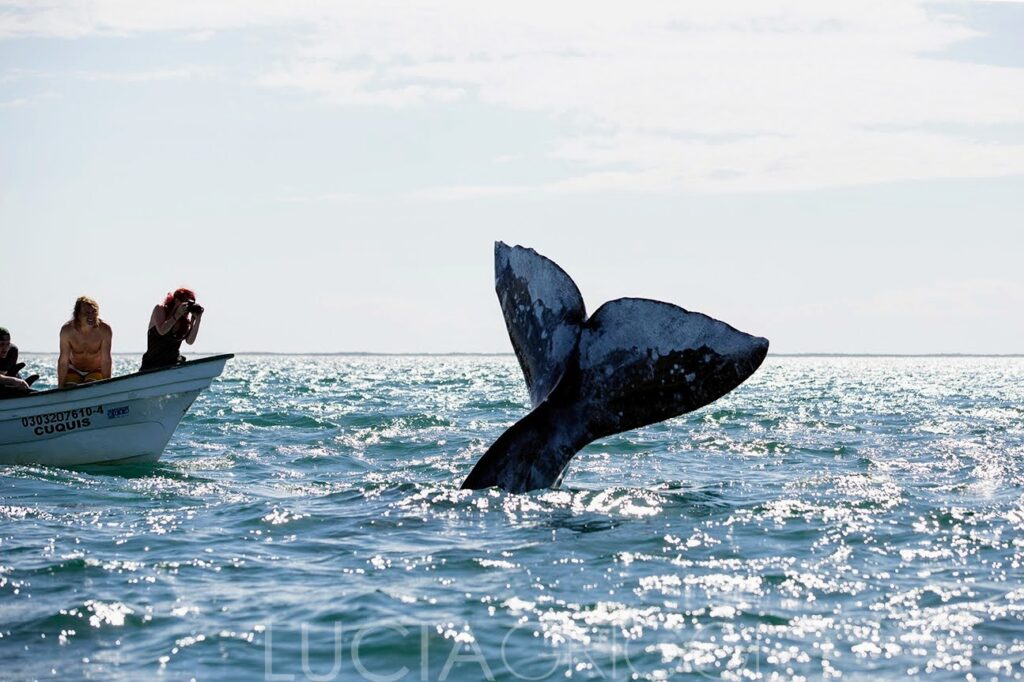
632 363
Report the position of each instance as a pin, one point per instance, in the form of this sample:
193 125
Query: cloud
15 103
334 197
200 36
459 193
28 100
82 18
180 73
657 96
356 87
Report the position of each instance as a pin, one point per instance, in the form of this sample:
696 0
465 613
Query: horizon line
812 354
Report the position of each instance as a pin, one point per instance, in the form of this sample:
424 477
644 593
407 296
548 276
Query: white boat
119 420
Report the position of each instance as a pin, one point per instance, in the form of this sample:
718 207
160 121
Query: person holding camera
173 321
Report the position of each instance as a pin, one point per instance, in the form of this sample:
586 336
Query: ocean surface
860 518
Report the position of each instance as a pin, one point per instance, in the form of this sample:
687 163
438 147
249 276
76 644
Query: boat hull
120 420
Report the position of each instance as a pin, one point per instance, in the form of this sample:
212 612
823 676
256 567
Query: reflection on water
855 517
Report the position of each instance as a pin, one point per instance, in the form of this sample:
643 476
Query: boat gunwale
78 389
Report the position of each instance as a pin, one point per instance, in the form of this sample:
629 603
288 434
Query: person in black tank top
173 321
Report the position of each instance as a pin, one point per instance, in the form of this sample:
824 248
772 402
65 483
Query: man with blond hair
84 346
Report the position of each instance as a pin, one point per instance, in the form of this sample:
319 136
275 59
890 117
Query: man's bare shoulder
105 328
67 328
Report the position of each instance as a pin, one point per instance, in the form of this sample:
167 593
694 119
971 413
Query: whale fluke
634 362
543 312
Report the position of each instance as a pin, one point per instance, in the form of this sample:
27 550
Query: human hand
180 310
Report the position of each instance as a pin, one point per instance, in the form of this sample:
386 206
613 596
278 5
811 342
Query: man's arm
106 364
65 355
13 382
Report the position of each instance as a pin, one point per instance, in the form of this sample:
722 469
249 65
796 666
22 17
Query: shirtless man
84 346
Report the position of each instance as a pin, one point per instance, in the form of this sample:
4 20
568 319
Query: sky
332 176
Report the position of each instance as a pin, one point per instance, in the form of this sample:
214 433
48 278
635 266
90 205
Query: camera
195 308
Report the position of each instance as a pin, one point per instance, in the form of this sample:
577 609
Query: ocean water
854 518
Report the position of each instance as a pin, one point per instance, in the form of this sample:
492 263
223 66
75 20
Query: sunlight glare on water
860 516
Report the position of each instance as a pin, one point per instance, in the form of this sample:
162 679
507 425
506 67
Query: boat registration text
59 422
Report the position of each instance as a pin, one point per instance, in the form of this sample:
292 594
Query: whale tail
634 362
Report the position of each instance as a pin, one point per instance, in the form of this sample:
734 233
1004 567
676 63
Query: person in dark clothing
173 321
9 365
